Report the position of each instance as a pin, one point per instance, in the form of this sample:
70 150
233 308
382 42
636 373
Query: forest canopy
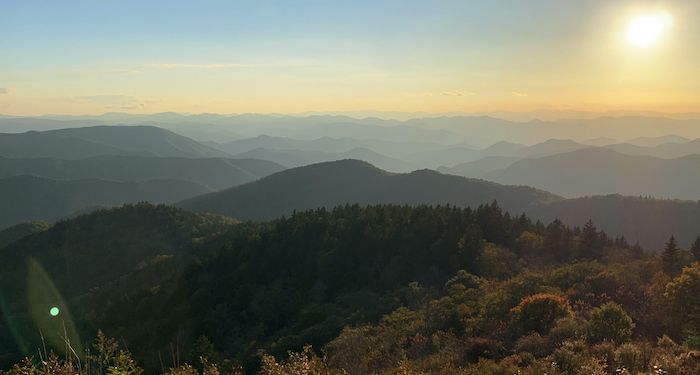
363 289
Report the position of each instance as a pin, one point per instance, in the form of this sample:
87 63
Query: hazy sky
95 56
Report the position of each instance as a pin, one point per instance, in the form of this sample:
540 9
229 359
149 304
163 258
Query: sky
263 56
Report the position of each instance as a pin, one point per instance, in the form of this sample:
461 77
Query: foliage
682 297
539 312
610 322
361 290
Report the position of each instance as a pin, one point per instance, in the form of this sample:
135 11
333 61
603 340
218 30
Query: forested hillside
378 289
214 173
30 198
353 181
647 220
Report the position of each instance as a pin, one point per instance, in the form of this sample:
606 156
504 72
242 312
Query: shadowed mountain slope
352 181
75 143
28 198
214 173
596 171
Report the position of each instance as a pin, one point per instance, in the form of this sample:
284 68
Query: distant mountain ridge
214 173
351 181
596 171
76 143
477 130
298 158
30 198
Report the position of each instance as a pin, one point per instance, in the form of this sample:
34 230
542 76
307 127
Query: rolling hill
298 158
214 173
326 144
350 181
596 171
649 221
481 167
76 143
19 231
30 198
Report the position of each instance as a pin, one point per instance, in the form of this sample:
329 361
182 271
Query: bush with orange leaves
539 312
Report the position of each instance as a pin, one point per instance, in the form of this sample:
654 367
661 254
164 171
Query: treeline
380 290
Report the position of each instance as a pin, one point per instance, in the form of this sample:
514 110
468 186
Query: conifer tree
695 249
669 257
590 241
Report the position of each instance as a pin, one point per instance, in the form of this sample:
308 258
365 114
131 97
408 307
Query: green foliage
539 312
682 298
376 290
498 262
19 231
203 352
672 258
695 249
610 322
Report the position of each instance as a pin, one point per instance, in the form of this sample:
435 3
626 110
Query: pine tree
669 257
695 249
590 241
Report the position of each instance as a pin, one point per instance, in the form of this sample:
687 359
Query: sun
647 29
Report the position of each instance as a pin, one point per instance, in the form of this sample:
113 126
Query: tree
682 296
557 241
203 352
539 312
591 244
610 322
669 257
498 262
695 249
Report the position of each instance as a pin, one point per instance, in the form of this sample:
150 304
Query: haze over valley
406 162
384 187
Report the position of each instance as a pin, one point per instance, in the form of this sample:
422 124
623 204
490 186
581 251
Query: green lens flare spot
54 311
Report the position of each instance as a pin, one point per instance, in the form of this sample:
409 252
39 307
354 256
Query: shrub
533 344
539 312
629 356
570 357
610 322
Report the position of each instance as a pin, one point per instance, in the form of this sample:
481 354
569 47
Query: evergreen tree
695 249
669 257
591 245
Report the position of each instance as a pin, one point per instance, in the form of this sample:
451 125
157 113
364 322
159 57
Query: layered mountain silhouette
646 220
477 130
326 144
482 167
596 171
30 198
213 173
297 158
75 143
351 181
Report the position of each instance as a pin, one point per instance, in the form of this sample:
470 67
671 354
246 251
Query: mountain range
298 158
351 181
31 198
84 167
592 171
479 131
597 171
213 173
75 143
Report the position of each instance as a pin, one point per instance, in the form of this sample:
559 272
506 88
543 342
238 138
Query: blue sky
293 56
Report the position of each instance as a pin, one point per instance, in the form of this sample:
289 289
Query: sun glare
646 30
